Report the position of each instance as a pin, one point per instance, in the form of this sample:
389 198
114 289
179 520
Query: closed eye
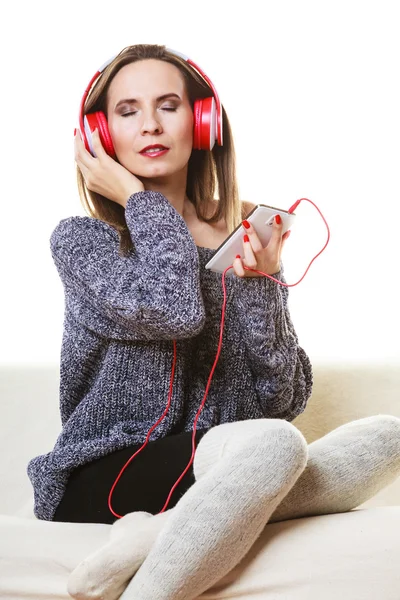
167 108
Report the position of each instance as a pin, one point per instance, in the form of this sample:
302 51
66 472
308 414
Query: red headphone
207 114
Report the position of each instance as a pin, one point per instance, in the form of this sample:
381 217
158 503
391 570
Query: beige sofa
352 556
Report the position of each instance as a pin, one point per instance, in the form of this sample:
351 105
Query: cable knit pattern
121 315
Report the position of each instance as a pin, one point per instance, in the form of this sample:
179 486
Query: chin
159 171
149 171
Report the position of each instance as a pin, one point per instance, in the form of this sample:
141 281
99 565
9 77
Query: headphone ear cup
98 121
205 123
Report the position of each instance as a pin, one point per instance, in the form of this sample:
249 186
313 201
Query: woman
142 313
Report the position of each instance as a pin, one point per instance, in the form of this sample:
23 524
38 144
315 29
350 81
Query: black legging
144 485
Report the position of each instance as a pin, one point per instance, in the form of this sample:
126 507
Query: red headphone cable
291 210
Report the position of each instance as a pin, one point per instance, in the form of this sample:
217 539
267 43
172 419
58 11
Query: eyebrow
134 101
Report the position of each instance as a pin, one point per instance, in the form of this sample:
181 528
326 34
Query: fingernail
238 256
278 219
74 132
246 224
246 238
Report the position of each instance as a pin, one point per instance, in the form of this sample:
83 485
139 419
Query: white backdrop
312 92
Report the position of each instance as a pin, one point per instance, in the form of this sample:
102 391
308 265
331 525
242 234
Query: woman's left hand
268 259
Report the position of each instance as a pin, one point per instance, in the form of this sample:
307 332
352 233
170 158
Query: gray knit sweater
121 315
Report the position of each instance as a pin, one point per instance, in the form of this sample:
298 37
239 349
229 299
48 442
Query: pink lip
154 154
150 146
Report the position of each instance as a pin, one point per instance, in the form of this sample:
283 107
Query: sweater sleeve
282 370
153 293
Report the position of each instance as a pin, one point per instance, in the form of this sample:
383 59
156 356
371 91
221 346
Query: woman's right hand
103 174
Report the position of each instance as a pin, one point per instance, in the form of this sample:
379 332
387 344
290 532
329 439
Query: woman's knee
255 435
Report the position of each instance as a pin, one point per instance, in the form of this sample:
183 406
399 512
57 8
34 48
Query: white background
312 93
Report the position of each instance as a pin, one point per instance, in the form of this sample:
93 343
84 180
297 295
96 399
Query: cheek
122 133
185 132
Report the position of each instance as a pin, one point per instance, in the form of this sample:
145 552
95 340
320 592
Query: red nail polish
278 219
74 132
246 238
238 256
246 224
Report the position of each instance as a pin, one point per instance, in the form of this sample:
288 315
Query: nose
150 123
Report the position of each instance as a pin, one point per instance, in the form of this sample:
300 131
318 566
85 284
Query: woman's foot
105 574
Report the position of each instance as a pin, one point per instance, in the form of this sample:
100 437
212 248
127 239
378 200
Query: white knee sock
105 573
243 470
345 468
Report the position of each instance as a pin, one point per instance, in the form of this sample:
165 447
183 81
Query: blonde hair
210 173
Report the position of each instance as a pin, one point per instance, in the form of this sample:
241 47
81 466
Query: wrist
129 192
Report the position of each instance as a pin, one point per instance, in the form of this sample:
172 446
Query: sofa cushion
351 556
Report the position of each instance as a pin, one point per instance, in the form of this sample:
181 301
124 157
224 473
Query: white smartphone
261 218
